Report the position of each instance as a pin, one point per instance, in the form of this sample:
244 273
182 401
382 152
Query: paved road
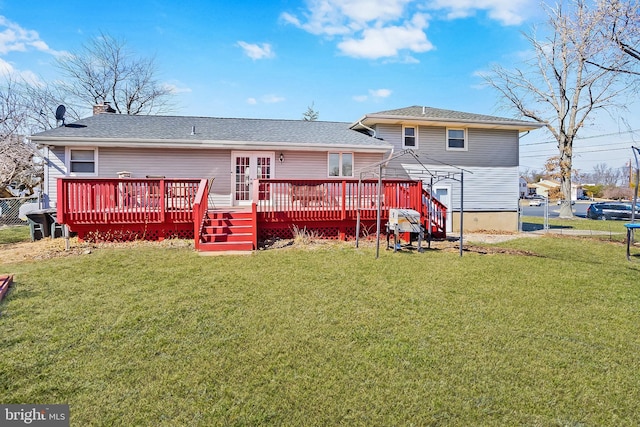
579 209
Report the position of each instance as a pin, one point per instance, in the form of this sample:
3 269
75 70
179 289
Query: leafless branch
105 70
560 86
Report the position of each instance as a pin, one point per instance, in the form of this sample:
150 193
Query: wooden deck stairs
227 230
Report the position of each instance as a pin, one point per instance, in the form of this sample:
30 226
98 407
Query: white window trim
340 175
466 140
413 147
67 161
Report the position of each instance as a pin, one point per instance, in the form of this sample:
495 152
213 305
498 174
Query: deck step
230 230
226 246
223 237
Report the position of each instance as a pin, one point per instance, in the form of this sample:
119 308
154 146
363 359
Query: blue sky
272 59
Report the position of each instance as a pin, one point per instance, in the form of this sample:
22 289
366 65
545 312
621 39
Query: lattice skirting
323 230
130 232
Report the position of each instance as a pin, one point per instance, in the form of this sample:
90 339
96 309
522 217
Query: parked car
536 200
573 202
611 210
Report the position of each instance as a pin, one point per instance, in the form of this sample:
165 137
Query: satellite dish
60 113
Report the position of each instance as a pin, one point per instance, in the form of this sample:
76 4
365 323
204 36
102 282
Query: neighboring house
236 151
543 187
523 189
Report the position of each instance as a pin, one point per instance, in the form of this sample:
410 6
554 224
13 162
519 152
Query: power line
583 138
578 151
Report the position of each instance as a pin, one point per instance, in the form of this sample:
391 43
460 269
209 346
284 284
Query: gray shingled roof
437 114
119 127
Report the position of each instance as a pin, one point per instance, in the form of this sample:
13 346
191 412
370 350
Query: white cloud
376 94
380 93
384 42
176 88
508 12
272 99
15 38
7 70
375 29
366 28
265 99
257 51
341 17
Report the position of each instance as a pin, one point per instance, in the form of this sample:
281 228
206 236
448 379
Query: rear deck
152 209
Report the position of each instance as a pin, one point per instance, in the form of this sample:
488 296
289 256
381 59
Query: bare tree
105 70
620 25
40 102
16 153
606 175
559 86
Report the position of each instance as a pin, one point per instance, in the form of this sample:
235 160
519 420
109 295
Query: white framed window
456 139
409 137
341 165
82 161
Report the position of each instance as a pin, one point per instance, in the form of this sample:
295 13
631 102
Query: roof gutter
368 128
442 121
204 144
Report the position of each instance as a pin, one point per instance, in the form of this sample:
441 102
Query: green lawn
328 336
602 230
14 235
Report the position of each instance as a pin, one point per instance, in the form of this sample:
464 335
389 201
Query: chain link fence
10 209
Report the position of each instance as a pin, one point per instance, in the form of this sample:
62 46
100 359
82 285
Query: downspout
368 128
374 136
44 188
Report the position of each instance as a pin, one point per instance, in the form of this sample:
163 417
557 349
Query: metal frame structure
377 170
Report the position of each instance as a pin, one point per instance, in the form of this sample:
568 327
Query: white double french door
248 166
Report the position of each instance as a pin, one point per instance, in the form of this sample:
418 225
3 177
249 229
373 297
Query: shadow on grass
531 226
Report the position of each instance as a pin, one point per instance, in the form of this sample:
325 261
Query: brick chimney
103 108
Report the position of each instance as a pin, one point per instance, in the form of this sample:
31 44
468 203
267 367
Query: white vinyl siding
56 169
486 189
491 159
171 163
176 163
486 147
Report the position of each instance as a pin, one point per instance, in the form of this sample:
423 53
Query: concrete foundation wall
486 221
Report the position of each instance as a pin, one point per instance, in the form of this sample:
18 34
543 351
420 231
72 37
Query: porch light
281 158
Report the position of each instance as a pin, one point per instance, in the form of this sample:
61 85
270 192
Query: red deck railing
435 213
333 200
178 206
139 204
200 206
329 205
